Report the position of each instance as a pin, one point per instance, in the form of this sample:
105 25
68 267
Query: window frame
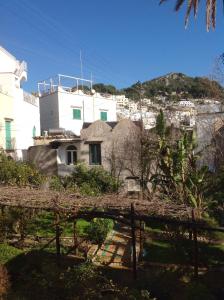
73 155
95 157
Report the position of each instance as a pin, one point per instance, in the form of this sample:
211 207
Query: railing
30 98
68 83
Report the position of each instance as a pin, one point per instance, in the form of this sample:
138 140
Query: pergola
123 209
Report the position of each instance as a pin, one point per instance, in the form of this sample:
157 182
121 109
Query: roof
111 124
87 124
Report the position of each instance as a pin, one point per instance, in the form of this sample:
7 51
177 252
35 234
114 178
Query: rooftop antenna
91 78
81 67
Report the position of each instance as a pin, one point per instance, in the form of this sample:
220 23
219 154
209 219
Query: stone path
116 250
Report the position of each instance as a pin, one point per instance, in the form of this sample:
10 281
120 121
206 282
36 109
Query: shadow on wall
44 158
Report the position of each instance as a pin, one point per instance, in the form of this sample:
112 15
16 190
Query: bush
98 229
94 181
18 173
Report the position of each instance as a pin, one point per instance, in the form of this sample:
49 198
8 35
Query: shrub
98 229
18 173
94 181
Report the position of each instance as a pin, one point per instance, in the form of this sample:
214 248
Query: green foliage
18 173
160 125
36 275
214 194
178 177
98 229
8 252
105 89
94 181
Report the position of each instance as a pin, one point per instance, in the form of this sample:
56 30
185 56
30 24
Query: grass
169 250
8 252
43 225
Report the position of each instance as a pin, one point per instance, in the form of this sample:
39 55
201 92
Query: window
77 114
103 115
71 152
95 154
8 139
34 131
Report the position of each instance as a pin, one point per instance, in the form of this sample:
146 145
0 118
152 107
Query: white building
19 111
68 107
122 101
133 106
186 103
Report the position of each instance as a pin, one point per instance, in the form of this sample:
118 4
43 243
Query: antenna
81 67
91 78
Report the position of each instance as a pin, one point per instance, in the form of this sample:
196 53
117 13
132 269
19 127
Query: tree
192 5
178 178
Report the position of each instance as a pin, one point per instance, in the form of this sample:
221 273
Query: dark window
95 154
71 155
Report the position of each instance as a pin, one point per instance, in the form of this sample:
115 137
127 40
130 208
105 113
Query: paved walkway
116 250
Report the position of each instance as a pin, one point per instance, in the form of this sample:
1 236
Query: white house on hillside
63 104
19 110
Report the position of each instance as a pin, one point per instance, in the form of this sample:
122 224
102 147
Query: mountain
173 86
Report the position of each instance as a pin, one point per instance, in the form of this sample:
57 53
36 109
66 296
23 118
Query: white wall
49 116
26 116
8 61
56 109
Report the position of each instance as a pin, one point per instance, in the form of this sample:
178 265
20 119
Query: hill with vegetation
173 86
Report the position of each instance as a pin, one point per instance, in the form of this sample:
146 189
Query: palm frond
192 5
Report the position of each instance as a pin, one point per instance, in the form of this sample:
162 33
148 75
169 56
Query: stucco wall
6 112
56 109
44 158
49 117
26 116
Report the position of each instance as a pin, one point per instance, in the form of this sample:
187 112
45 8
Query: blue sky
122 41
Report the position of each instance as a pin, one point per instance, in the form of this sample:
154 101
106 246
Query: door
8 138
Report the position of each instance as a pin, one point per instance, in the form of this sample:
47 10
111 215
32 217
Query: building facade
19 110
69 107
112 145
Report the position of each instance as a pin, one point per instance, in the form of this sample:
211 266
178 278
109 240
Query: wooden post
134 260
195 238
75 237
57 236
141 239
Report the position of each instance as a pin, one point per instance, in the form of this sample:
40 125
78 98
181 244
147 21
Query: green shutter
103 115
34 131
77 114
8 139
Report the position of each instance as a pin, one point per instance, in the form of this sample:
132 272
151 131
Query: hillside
172 86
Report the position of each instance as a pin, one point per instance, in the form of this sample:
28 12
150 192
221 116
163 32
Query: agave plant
192 5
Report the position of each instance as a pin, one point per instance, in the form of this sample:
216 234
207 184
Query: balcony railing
30 98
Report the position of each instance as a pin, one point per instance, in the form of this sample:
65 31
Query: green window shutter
103 115
8 138
77 114
34 131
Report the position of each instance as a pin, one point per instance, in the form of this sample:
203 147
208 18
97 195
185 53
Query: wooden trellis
122 209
